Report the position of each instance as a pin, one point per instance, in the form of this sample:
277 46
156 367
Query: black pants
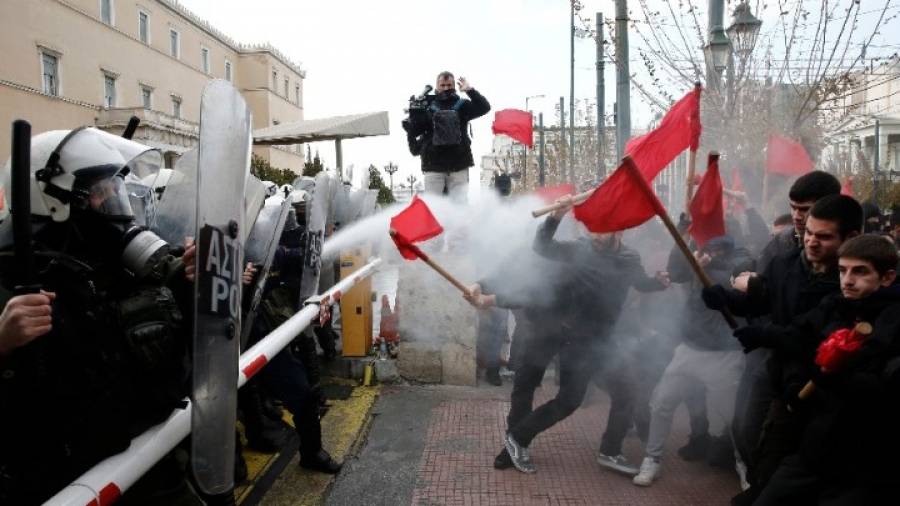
492 332
619 383
578 360
285 377
780 437
795 484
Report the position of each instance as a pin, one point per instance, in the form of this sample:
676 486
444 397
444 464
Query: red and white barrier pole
103 484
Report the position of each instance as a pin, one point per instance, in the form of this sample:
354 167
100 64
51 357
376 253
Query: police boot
320 461
259 436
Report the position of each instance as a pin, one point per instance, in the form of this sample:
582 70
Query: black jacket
854 413
450 158
786 288
782 244
594 283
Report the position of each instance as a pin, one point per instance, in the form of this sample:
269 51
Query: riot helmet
82 177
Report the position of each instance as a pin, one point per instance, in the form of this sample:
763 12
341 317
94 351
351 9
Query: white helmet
271 188
78 166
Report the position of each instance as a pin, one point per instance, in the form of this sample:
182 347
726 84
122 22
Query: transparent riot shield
316 217
176 211
223 162
261 247
254 198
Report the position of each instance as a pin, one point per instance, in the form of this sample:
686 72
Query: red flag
707 213
620 203
549 194
847 187
787 157
414 224
516 124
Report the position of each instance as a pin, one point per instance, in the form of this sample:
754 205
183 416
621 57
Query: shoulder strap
460 102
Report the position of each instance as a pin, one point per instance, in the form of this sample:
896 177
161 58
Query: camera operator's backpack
446 123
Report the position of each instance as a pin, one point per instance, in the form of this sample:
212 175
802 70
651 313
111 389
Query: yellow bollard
369 375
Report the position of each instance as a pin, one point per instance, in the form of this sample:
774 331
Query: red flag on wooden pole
414 224
516 124
707 213
618 204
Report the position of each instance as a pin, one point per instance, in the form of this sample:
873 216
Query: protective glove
714 297
751 337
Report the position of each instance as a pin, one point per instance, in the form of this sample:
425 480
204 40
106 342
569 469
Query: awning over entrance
324 129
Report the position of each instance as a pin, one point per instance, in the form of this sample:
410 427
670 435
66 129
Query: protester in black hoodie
596 273
792 284
849 447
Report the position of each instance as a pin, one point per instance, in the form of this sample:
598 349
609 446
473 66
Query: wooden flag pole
692 170
673 230
577 199
431 263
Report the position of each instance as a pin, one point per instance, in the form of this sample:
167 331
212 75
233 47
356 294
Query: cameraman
437 129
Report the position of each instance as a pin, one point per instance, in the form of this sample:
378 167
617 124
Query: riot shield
316 217
223 162
261 247
176 211
254 198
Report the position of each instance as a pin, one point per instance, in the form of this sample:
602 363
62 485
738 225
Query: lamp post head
744 31
717 51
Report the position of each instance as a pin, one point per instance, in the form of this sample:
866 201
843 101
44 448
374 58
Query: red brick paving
464 436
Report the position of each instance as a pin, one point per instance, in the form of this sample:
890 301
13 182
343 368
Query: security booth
356 304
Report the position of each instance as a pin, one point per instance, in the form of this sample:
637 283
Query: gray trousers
718 371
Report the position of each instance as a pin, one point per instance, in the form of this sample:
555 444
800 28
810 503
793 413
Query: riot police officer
286 376
100 354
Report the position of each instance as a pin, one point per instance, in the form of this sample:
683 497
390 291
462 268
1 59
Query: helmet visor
105 195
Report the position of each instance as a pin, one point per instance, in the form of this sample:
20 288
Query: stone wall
437 326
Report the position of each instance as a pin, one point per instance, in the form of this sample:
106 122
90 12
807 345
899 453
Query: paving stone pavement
465 433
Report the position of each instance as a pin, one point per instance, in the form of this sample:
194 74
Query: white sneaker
648 473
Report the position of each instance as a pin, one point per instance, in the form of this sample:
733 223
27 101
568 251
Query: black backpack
446 124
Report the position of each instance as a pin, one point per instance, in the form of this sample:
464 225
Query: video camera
417 112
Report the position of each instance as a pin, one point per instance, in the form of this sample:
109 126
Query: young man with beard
596 273
847 453
792 284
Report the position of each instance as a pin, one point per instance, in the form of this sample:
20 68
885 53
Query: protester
708 356
848 449
585 310
805 191
440 135
780 223
792 284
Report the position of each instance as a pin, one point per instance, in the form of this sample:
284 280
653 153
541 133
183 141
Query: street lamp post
744 31
391 168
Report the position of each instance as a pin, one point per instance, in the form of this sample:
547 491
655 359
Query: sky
365 55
